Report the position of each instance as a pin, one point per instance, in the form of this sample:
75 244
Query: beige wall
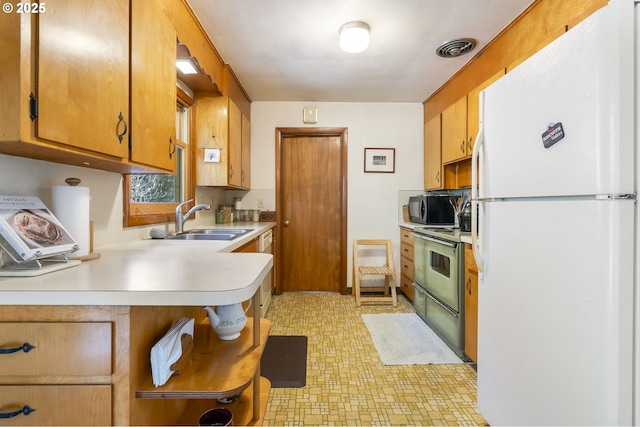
372 197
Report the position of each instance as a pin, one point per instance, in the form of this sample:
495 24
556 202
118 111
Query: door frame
282 132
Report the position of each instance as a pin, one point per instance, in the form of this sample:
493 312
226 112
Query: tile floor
347 384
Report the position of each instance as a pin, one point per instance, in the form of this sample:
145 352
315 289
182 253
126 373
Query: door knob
286 223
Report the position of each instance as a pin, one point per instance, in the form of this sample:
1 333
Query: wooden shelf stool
385 270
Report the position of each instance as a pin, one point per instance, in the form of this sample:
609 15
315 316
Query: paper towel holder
73 182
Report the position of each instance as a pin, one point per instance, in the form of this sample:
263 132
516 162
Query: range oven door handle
440 242
453 313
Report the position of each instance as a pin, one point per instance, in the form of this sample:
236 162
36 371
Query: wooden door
311 206
83 75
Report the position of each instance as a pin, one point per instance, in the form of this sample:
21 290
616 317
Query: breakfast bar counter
76 342
149 273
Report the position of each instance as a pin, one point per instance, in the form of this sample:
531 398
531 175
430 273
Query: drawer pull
26 347
26 410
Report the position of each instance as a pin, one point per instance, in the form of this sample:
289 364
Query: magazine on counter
31 230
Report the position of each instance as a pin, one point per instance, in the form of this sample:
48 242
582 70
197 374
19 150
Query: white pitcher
228 320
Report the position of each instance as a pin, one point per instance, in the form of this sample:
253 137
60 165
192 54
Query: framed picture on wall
380 160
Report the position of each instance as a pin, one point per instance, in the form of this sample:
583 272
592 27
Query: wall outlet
260 203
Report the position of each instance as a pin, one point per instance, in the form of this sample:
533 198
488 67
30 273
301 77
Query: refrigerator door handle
476 190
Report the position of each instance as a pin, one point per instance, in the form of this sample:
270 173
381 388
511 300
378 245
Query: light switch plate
310 115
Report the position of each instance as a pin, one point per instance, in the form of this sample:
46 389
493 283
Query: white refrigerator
555 231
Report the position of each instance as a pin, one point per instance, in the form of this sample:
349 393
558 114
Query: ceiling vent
455 48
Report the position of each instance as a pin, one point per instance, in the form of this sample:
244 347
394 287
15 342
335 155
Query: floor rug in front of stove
404 339
284 361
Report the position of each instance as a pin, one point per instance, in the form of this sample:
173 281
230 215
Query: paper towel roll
71 207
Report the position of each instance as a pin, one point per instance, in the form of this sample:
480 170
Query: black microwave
432 209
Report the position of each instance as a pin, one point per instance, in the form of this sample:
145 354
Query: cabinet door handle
438 176
26 347
462 146
172 148
124 125
26 410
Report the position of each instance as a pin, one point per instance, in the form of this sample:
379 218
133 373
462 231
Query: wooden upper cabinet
473 117
460 124
82 77
246 152
221 125
235 145
153 86
454 131
82 74
433 179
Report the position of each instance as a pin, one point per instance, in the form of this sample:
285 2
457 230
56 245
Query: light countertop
151 272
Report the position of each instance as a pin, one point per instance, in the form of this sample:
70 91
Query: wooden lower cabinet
89 365
251 246
406 262
470 305
62 405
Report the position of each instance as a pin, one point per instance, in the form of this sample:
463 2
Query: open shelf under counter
218 368
242 408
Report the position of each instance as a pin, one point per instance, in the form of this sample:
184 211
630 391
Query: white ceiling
287 50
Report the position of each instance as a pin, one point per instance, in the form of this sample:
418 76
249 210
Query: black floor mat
284 361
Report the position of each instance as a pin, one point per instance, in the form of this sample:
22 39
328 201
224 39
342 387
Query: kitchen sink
238 231
210 234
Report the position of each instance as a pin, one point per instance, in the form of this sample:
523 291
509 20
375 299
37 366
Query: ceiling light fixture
354 37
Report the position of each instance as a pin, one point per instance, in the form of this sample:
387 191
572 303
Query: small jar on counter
256 215
227 214
219 216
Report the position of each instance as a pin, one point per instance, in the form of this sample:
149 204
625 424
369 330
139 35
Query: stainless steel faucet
180 219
